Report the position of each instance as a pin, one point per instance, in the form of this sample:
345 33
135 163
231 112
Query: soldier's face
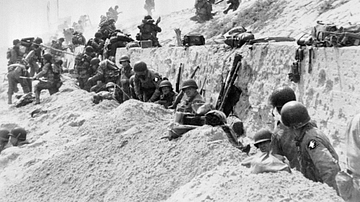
190 92
124 63
165 90
264 146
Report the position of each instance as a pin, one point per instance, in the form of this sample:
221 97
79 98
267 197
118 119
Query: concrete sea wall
329 85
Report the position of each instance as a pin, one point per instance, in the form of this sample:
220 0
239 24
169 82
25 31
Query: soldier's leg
37 89
12 85
26 85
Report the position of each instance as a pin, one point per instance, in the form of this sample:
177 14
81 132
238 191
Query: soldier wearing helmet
191 96
51 77
18 136
146 83
15 54
283 142
318 159
168 94
148 30
106 72
263 160
83 68
126 73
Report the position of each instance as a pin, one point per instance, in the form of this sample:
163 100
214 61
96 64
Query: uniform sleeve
44 70
324 162
275 144
137 87
156 95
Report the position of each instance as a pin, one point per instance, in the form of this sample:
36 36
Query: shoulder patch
312 144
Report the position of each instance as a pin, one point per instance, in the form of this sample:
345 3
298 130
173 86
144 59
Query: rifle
181 94
223 96
55 49
219 2
202 90
178 79
31 78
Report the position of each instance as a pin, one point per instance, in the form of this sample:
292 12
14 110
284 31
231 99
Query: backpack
8 53
239 39
193 40
323 31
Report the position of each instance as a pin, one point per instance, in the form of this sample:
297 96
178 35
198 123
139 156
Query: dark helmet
89 49
294 115
19 133
140 66
16 41
38 40
62 39
47 56
262 136
165 83
147 17
191 83
124 58
94 61
4 135
281 96
98 35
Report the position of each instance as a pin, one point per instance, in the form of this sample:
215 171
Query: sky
27 18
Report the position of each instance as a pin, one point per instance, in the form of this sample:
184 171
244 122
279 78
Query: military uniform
203 9
148 31
167 100
186 102
126 73
53 82
15 55
83 69
348 181
147 88
14 72
317 157
283 143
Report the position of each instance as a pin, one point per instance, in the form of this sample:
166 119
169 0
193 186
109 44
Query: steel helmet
165 83
47 56
89 49
16 41
281 96
98 35
19 133
215 118
294 115
262 136
140 66
4 135
124 58
191 83
94 61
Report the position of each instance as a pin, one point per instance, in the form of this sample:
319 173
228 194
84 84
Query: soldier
52 81
14 54
348 181
149 30
264 161
146 83
234 5
191 96
126 73
18 136
132 87
58 45
106 72
14 73
317 157
203 10
283 140
168 95
33 55
83 70
97 43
